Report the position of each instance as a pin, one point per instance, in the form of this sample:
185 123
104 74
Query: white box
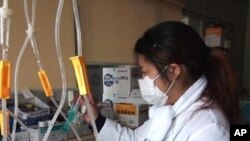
134 97
43 109
22 136
38 134
56 133
131 115
120 79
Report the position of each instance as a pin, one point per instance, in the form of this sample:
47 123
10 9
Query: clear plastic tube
31 30
78 28
5 21
4 119
90 112
26 11
72 114
5 3
16 75
18 120
61 64
28 38
32 38
79 51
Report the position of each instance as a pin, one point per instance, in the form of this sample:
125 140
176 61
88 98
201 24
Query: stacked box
37 134
134 97
32 108
131 115
55 135
95 80
120 80
120 85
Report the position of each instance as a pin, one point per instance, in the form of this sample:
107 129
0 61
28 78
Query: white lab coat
184 125
204 125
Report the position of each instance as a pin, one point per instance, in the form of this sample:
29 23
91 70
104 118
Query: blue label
108 80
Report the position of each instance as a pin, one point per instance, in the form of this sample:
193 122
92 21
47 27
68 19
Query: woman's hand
92 107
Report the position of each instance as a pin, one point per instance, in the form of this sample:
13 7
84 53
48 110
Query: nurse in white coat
189 85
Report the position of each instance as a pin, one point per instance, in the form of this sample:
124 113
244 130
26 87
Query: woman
188 85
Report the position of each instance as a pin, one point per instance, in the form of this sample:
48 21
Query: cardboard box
120 80
25 135
38 109
37 134
134 97
131 115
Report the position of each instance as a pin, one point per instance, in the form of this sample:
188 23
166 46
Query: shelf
179 3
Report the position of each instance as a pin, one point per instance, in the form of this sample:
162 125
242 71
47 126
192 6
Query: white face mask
151 93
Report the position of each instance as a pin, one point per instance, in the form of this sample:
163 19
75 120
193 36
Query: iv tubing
33 40
49 93
5 3
29 36
4 119
59 54
4 49
78 28
37 54
79 51
90 113
19 121
16 83
64 116
31 31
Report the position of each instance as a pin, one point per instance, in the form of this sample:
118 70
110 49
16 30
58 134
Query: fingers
75 98
92 112
86 118
91 99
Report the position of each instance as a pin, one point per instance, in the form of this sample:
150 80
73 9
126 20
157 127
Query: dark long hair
174 42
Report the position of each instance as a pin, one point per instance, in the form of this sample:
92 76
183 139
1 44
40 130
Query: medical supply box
37 134
120 80
32 108
134 97
131 115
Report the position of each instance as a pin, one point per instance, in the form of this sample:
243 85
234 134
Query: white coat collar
160 125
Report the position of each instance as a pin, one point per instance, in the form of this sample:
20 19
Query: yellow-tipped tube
3 130
45 82
5 70
81 74
84 87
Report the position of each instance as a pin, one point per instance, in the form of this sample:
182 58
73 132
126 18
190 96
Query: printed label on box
131 115
120 79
